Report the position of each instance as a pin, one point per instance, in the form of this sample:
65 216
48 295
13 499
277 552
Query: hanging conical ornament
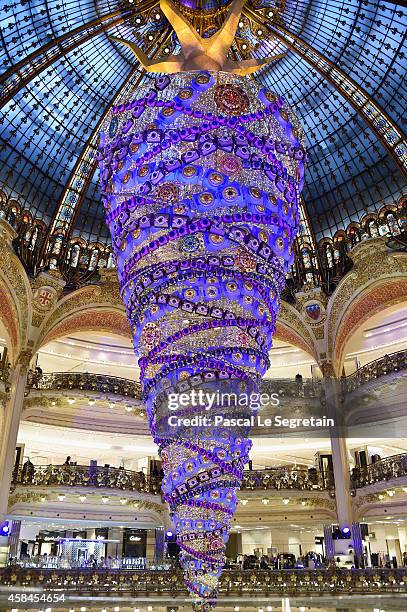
201 173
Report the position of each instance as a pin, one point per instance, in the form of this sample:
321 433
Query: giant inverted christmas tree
201 172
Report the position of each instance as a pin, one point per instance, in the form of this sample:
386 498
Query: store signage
134 538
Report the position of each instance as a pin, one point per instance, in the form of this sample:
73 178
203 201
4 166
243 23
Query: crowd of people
311 560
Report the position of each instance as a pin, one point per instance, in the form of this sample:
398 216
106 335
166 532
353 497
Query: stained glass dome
342 72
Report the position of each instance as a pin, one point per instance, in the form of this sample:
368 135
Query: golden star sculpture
199 53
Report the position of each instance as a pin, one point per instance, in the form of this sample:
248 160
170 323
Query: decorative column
159 546
328 543
13 409
339 451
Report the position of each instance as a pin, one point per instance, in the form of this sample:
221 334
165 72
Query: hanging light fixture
201 174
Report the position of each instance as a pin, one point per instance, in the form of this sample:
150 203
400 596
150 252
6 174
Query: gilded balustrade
164 582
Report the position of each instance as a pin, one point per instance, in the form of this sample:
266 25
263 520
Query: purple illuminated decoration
201 174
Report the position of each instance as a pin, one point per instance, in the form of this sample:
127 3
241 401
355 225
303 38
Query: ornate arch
292 328
378 279
91 319
15 293
370 301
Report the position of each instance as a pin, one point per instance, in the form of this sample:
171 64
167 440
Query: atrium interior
203 194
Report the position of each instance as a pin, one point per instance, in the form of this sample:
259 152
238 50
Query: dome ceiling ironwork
342 71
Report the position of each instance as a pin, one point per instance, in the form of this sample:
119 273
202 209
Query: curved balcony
280 478
84 381
102 383
86 476
388 364
139 583
381 471
284 478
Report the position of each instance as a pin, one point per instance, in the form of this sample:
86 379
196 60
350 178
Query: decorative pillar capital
23 359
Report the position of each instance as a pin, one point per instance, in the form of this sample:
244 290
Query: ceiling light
71 400
405 489
53 403
241 24
128 408
112 404
286 500
83 609
61 497
91 401
259 32
105 499
149 608
136 504
43 498
150 37
269 609
123 501
380 496
265 501
391 493
116 609
303 503
236 608
244 502
244 46
82 498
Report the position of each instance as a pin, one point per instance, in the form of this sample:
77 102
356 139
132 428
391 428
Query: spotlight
4 529
345 532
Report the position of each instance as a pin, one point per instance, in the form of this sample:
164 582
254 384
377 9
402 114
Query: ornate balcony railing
285 387
381 471
137 583
86 476
388 364
115 478
81 381
271 479
284 478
